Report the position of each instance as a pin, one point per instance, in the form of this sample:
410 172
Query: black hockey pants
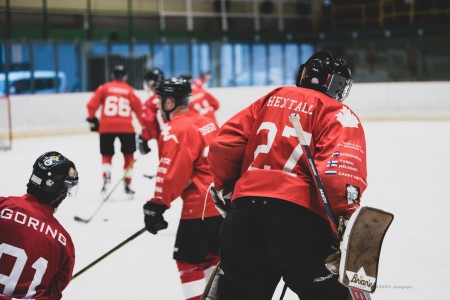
264 240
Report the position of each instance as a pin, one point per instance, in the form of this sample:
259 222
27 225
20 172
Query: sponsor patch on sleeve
353 193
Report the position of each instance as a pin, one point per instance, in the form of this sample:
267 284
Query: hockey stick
127 170
283 292
211 284
295 120
108 253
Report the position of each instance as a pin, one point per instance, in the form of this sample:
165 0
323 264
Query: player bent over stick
183 171
275 223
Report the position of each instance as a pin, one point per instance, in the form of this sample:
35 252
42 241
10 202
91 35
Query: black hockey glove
93 123
153 217
222 199
143 145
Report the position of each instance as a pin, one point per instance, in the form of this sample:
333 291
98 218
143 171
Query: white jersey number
117 106
203 108
10 281
271 134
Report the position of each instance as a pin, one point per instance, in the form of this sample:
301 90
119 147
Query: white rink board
37 115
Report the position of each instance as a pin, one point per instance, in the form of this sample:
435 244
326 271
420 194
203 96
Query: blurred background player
183 171
117 101
33 263
202 81
277 226
152 120
202 101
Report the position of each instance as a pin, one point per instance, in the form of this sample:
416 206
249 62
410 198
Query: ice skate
129 191
106 183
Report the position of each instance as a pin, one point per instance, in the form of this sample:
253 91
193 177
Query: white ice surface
408 165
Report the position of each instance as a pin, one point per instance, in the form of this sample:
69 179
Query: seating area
148 18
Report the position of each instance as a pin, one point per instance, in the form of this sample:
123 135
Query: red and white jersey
259 148
37 255
199 83
183 166
152 120
118 102
204 103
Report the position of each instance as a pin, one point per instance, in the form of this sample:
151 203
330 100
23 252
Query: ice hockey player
275 226
118 102
204 102
37 255
152 120
183 172
202 81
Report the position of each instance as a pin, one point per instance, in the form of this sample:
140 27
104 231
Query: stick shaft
295 120
127 170
108 253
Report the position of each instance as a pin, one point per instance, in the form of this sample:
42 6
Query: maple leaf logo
347 119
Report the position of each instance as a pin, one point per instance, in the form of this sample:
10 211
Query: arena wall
50 114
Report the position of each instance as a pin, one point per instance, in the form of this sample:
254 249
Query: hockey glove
93 123
222 200
143 145
153 217
332 261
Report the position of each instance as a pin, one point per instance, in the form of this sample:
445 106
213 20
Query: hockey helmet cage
119 72
54 177
154 77
326 73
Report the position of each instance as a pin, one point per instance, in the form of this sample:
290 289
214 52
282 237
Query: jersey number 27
271 130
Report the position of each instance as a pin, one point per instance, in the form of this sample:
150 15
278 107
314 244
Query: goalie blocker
361 246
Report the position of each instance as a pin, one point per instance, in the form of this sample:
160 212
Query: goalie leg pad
361 247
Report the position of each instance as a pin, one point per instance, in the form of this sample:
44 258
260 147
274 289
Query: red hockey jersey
152 120
204 103
118 101
259 148
183 166
199 83
37 255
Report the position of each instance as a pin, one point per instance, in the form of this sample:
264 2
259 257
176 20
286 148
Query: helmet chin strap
167 115
167 112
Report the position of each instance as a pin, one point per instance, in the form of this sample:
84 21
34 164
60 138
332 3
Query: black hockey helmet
119 72
53 178
154 77
177 88
186 76
326 73
206 74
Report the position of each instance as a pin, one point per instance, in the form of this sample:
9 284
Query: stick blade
78 219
